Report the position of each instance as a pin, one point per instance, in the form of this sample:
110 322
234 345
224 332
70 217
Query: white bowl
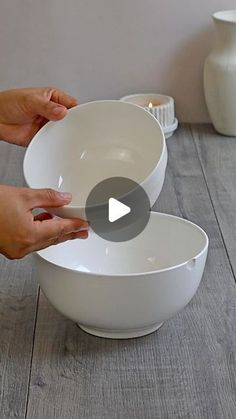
128 289
96 141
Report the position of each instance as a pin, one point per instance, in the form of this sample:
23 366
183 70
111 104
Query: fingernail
83 237
57 110
66 196
83 226
80 229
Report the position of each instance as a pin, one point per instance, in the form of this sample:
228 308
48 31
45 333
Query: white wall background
98 49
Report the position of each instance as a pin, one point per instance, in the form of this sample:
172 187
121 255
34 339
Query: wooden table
49 368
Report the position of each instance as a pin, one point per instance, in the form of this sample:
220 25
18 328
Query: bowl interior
167 241
95 141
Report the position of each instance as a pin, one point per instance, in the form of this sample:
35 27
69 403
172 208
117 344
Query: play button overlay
118 209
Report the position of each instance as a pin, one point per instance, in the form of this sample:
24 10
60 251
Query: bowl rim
162 138
138 274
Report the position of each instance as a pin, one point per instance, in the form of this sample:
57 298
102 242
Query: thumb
40 198
46 108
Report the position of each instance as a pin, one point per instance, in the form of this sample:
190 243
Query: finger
56 228
81 235
40 105
43 216
72 236
41 198
64 99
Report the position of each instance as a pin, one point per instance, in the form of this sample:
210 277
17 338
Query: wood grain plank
18 296
217 155
185 370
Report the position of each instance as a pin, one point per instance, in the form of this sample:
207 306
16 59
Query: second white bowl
123 290
96 141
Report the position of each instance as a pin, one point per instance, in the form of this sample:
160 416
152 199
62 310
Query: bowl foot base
121 334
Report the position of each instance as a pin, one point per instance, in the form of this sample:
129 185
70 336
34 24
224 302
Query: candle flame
150 105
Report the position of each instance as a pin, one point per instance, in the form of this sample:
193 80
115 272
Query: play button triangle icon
117 210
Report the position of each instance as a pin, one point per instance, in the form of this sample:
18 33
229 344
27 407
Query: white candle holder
161 106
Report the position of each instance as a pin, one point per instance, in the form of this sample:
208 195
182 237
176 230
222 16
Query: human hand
22 233
24 111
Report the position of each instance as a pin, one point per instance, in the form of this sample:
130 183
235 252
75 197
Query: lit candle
160 106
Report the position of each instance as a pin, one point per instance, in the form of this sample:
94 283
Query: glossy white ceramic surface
125 289
96 141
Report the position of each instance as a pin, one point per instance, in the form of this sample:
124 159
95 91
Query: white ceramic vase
220 74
